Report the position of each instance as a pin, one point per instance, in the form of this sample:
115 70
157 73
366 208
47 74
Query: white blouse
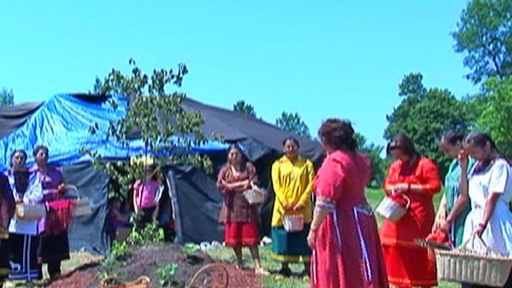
34 194
498 233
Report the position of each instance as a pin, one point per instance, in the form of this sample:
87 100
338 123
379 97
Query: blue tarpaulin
62 124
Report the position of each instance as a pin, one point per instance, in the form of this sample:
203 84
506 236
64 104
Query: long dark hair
14 153
452 137
404 144
292 139
338 134
21 178
480 139
39 148
243 158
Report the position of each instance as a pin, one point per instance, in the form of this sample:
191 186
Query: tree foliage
484 35
244 107
373 152
424 114
496 112
292 122
155 116
6 97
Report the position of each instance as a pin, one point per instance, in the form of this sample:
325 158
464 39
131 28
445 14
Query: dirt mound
148 259
222 275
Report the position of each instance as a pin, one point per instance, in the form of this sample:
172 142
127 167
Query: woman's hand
288 207
61 188
446 226
479 230
400 188
312 238
298 207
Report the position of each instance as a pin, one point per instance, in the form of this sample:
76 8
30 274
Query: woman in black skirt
54 245
23 233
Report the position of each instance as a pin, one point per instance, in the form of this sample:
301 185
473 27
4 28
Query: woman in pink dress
344 237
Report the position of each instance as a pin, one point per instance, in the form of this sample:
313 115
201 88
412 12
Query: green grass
374 196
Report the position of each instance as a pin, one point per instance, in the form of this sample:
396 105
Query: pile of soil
146 260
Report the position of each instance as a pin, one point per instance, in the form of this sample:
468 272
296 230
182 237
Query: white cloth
34 194
498 233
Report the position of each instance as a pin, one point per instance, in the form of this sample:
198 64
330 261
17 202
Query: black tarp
195 197
259 136
13 117
89 232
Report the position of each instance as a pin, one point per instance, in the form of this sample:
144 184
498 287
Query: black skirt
53 248
4 259
23 257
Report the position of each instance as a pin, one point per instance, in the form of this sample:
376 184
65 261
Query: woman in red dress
418 178
239 217
343 235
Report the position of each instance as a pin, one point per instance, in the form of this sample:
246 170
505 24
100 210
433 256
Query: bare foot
262 272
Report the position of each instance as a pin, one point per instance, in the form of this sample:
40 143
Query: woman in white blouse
489 186
23 234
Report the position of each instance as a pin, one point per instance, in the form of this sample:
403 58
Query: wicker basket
293 223
82 205
30 211
114 282
472 267
254 196
392 210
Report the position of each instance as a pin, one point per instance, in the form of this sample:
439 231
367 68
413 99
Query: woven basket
293 223
254 196
114 282
82 205
30 211
392 210
472 267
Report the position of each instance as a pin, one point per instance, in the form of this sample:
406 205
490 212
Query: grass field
296 281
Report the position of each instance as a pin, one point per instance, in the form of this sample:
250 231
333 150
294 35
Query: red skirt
237 234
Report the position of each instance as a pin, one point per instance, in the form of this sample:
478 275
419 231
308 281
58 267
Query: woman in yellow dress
292 180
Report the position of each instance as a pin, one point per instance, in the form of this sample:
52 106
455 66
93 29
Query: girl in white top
23 234
489 186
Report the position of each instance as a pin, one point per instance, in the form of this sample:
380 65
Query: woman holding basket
453 223
240 218
54 244
292 179
24 234
413 179
489 186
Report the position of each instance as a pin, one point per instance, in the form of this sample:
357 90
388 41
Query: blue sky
318 58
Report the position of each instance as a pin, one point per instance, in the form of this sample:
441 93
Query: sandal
262 272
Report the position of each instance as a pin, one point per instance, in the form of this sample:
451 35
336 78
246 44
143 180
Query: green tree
292 122
496 115
244 107
424 114
373 152
6 97
484 35
155 116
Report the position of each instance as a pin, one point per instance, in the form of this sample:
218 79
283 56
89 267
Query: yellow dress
293 185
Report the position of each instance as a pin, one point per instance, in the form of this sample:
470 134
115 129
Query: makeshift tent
62 123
